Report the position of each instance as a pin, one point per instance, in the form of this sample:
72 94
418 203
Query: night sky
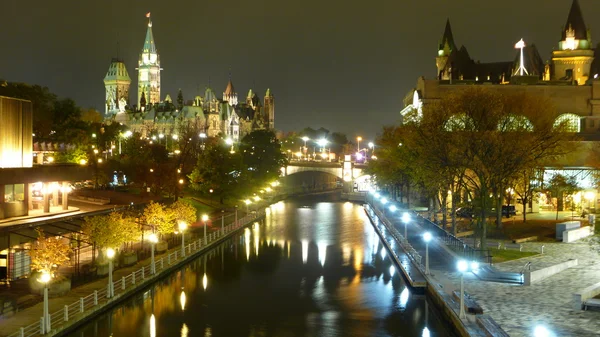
343 65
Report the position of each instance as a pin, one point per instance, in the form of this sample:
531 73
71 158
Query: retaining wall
540 274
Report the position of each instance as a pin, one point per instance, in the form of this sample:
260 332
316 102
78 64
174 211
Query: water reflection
318 270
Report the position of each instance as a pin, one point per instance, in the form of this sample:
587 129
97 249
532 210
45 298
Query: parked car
464 212
508 210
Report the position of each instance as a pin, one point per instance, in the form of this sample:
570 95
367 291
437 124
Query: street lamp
182 227
110 253
462 267
247 202
205 219
44 279
305 139
358 139
153 238
426 238
322 142
406 219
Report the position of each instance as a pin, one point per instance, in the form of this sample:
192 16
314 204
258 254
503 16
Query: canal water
311 268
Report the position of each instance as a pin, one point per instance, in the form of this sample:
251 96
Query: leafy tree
262 158
91 116
183 211
75 155
159 217
217 169
559 186
48 253
526 185
111 231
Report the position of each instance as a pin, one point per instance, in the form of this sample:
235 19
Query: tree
526 185
183 211
559 186
159 217
111 231
48 253
493 136
217 169
91 116
262 158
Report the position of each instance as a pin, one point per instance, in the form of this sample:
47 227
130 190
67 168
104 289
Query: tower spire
575 22
447 38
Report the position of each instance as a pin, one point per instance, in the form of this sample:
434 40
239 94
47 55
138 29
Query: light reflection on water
309 269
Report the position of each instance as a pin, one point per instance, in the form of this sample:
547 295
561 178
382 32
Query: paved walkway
520 309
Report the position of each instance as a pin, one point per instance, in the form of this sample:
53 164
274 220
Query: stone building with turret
569 79
209 114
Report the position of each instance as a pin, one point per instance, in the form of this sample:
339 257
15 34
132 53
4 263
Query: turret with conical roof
573 59
229 94
116 83
149 68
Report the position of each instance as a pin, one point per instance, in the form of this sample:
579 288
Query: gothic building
569 79
214 116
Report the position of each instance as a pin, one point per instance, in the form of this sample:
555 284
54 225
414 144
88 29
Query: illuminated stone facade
214 116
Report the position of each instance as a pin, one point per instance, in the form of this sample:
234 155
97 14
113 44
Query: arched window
458 122
514 123
570 122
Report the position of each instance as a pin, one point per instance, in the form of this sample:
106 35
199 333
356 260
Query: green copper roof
117 72
149 46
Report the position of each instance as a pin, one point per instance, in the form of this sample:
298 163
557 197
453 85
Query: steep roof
117 71
448 38
229 90
575 22
532 59
149 46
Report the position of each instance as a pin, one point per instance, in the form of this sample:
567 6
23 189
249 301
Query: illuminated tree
48 253
159 217
111 231
183 211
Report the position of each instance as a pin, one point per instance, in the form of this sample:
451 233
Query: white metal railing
406 246
126 283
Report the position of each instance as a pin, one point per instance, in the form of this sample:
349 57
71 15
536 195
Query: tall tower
445 48
116 83
270 109
149 69
229 94
573 59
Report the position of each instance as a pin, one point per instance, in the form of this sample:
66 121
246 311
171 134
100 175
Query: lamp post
235 220
426 238
205 219
44 279
462 267
406 219
222 222
110 253
322 143
127 134
182 227
153 238
247 202
358 139
305 151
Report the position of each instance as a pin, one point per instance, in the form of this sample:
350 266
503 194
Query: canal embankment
89 300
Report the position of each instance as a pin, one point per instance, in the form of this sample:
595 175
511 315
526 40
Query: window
14 192
568 123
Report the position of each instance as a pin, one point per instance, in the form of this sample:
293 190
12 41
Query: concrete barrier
576 234
540 274
583 295
563 226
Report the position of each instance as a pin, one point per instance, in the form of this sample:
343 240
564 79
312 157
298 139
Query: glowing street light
358 139
110 253
153 238
462 267
384 201
247 202
406 220
205 219
182 227
426 238
44 279
322 142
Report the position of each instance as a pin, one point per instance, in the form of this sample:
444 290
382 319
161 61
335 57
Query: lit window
458 122
568 122
13 193
514 123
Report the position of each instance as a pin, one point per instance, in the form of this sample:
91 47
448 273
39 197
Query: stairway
491 274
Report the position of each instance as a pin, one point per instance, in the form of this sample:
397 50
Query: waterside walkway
86 301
